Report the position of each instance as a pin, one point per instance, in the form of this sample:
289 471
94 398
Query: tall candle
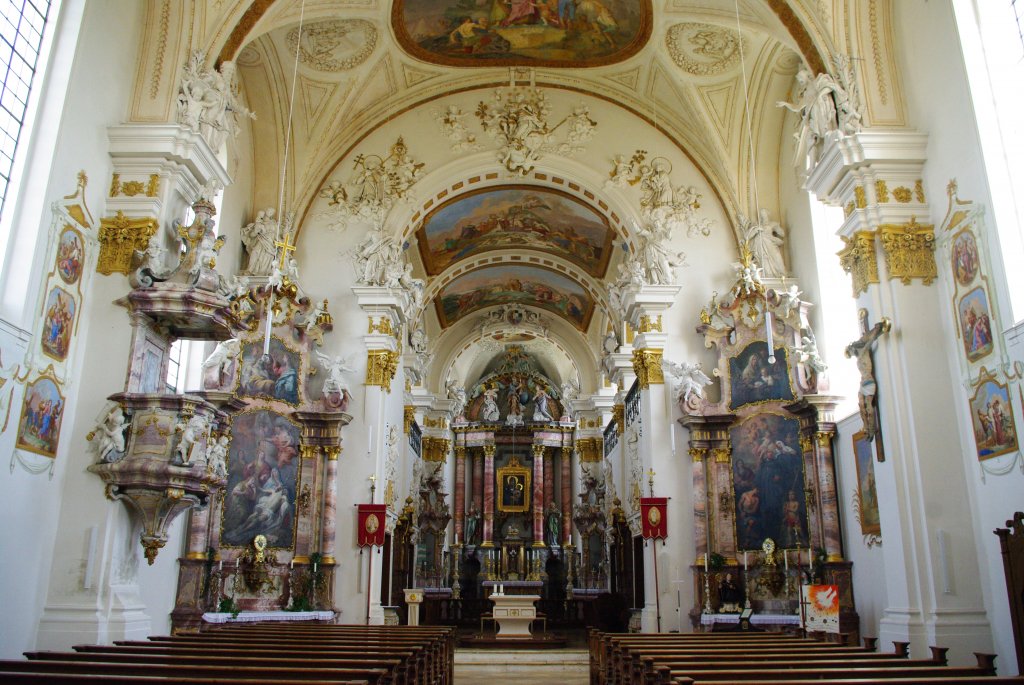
785 558
221 564
706 555
292 565
810 557
744 560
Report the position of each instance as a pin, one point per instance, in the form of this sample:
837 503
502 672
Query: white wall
939 104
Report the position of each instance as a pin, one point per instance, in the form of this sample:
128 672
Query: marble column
549 479
199 532
814 535
477 489
538 495
566 494
700 500
460 490
488 496
724 507
330 511
825 459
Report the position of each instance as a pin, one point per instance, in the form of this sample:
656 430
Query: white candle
221 564
270 325
744 560
706 555
810 557
456 538
314 567
292 565
369 445
785 558
672 437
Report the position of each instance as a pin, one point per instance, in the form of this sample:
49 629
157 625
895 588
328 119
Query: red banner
371 524
654 514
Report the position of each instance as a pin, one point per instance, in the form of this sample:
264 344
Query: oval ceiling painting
517 217
522 284
536 33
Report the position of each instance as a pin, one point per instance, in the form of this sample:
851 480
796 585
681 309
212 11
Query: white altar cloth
755 620
255 616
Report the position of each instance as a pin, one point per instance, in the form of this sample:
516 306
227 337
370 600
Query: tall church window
22 23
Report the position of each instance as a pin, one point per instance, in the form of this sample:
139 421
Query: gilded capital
619 417
858 259
307 451
909 251
806 444
647 367
435 449
460 451
120 237
649 323
698 453
381 366
538 450
824 438
722 455
409 416
489 451
591 450
332 452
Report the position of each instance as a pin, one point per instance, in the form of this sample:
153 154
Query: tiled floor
546 667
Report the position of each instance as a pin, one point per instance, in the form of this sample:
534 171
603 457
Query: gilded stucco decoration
647 365
435 449
858 259
120 237
373 186
703 49
517 119
335 44
381 366
909 251
591 450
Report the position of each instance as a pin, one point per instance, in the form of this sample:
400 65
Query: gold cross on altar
286 247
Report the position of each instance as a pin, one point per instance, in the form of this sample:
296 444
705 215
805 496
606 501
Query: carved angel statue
570 391
107 437
749 277
418 339
765 239
691 377
818 100
414 286
217 367
807 352
191 433
258 238
455 130
659 263
206 255
209 102
217 457
336 369
234 287
378 259
152 264
458 393
314 317
786 302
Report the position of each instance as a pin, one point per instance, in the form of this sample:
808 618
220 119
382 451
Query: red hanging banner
371 524
654 514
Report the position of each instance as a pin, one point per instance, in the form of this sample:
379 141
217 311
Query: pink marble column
538 495
488 496
327 533
566 495
700 501
815 527
827 493
477 491
216 503
725 507
199 532
460 490
549 479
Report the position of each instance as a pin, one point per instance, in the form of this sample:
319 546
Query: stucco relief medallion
703 49
334 45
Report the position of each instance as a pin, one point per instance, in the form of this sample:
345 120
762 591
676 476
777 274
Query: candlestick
221 568
810 558
744 560
706 562
785 558
292 565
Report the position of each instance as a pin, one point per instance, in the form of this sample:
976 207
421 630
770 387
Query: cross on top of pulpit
285 247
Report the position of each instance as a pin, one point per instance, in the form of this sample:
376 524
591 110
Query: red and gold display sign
371 524
654 514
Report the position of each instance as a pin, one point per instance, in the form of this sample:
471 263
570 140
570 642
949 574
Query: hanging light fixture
769 333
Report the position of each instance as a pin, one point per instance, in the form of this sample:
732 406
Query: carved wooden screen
1011 540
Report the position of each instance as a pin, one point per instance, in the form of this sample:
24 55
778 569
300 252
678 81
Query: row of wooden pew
286 654
769 659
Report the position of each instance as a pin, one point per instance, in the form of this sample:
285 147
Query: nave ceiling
679 94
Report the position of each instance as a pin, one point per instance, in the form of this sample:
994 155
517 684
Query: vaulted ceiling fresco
517 217
529 285
538 33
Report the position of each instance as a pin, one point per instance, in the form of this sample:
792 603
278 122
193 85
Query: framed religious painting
274 376
514 487
995 432
768 481
753 379
263 474
867 493
41 413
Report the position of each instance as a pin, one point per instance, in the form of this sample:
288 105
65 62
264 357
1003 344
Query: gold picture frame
514 487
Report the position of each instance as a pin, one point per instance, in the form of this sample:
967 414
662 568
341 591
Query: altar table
514 614
261 616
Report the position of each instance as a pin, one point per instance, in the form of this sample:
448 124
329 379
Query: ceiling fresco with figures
544 33
515 217
528 285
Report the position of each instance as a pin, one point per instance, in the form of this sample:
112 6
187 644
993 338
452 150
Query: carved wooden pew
173 672
14 678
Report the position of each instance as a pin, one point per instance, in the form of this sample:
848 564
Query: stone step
548 658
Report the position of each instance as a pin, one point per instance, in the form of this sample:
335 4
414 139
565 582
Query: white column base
376 614
649 619
963 632
63 626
